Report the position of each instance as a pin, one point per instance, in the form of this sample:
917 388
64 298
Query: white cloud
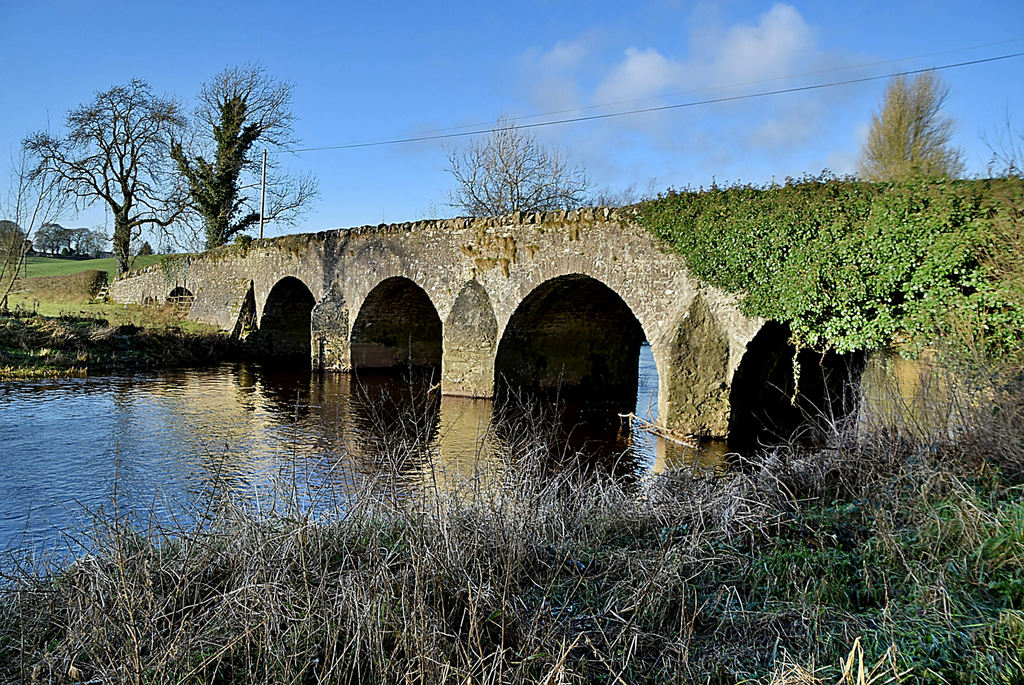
771 48
795 124
566 55
642 74
550 77
717 60
778 44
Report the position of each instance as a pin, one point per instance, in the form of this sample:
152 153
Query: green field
53 266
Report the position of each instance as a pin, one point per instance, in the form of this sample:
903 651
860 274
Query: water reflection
163 441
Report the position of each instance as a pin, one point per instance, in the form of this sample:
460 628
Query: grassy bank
36 267
53 286
895 554
122 340
54 326
76 289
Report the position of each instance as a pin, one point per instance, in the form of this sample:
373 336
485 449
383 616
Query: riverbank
896 554
89 342
54 325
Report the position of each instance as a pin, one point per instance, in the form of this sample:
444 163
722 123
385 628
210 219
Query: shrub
852 265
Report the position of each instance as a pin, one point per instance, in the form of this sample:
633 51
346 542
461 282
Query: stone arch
397 326
575 337
180 299
284 328
760 399
470 339
769 401
180 292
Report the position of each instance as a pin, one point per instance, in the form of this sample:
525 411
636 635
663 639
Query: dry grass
896 554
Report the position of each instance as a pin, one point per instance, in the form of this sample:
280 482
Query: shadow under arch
770 402
285 327
572 338
181 299
397 327
180 292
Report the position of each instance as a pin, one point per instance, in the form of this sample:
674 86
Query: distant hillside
53 266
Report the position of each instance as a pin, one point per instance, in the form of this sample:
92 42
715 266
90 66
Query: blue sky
365 72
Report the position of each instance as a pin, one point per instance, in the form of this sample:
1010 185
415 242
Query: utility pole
263 191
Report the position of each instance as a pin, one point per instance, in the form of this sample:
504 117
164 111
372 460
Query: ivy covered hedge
852 265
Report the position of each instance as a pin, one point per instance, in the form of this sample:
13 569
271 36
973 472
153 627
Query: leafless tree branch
1007 147
511 171
31 201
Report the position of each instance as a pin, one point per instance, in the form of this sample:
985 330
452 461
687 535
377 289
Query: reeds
892 555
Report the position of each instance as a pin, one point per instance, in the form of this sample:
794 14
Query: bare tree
621 198
90 242
32 200
116 150
1006 144
510 171
908 135
240 107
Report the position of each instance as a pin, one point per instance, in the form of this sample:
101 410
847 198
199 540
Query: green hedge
851 265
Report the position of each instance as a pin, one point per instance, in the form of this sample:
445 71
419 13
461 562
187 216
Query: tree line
52 238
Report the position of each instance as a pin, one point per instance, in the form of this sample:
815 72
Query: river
159 443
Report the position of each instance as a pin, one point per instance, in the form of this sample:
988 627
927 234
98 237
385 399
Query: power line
660 108
862 65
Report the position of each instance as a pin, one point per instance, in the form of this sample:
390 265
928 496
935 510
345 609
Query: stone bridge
557 300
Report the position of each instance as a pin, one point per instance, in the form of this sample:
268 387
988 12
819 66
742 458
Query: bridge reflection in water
348 428
162 440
